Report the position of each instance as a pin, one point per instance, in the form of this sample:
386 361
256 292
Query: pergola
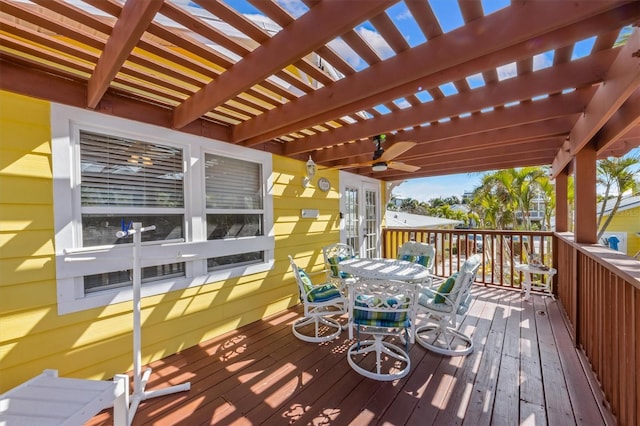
310 81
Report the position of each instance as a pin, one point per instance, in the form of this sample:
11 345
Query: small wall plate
324 184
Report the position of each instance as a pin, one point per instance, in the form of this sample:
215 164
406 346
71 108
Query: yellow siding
96 343
301 237
627 221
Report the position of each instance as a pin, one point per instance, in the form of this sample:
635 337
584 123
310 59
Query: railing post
575 314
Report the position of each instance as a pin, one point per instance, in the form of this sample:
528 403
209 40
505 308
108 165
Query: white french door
360 211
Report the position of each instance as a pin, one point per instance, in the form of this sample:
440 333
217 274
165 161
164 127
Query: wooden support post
562 201
585 195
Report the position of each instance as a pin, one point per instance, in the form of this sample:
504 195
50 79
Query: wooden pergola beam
404 73
622 79
522 121
470 166
296 40
621 123
132 23
40 84
550 80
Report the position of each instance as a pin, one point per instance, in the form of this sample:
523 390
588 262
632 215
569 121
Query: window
234 194
119 175
208 201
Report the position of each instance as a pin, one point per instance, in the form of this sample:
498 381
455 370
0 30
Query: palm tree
614 172
514 190
547 191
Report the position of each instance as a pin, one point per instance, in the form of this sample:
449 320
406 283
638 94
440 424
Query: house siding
627 221
97 343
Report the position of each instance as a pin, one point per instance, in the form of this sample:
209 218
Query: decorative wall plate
324 184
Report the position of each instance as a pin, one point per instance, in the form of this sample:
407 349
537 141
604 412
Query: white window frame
73 262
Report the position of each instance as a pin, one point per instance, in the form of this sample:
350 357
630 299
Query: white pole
137 283
140 380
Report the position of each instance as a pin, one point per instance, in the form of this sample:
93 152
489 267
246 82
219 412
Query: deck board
524 370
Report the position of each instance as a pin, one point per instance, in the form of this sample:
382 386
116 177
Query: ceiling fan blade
351 166
403 167
396 149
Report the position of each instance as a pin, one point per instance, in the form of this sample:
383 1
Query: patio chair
333 254
380 308
422 253
321 302
442 305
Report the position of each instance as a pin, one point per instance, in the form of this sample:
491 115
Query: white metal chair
333 254
441 306
320 302
381 308
421 253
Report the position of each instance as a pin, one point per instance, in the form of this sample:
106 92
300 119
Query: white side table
545 283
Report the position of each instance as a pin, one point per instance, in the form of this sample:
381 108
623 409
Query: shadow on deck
524 370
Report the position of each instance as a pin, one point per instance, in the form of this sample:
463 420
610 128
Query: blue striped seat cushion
380 318
320 293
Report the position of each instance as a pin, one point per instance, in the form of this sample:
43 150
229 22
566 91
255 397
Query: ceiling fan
382 158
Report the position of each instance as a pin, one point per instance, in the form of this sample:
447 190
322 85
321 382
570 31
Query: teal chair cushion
335 270
407 257
306 281
445 288
422 260
320 293
380 318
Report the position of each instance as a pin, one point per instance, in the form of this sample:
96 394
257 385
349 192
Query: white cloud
377 42
507 71
347 53
544 60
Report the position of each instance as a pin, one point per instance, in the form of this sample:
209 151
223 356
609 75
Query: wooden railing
500 250
598 288
600 291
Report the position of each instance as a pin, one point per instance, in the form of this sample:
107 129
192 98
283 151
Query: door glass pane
371 224
351 218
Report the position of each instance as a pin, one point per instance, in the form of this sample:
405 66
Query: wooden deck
524 370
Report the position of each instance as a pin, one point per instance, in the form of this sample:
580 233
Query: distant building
407 220
624 226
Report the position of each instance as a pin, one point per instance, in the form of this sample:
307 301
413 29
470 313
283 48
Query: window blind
232 184
129 173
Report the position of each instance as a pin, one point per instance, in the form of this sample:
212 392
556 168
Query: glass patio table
383 268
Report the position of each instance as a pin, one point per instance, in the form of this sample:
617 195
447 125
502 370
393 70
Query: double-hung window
208 200
125 181
235 208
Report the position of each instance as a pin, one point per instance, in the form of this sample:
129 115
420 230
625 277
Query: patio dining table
384 268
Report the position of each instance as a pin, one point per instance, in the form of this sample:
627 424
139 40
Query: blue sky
425 189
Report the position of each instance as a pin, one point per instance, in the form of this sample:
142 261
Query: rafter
517 24
524 87
621 123
294 41
318 101
496 127
623 78
132 23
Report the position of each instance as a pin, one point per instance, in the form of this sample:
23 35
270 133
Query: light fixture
310 169
379 167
